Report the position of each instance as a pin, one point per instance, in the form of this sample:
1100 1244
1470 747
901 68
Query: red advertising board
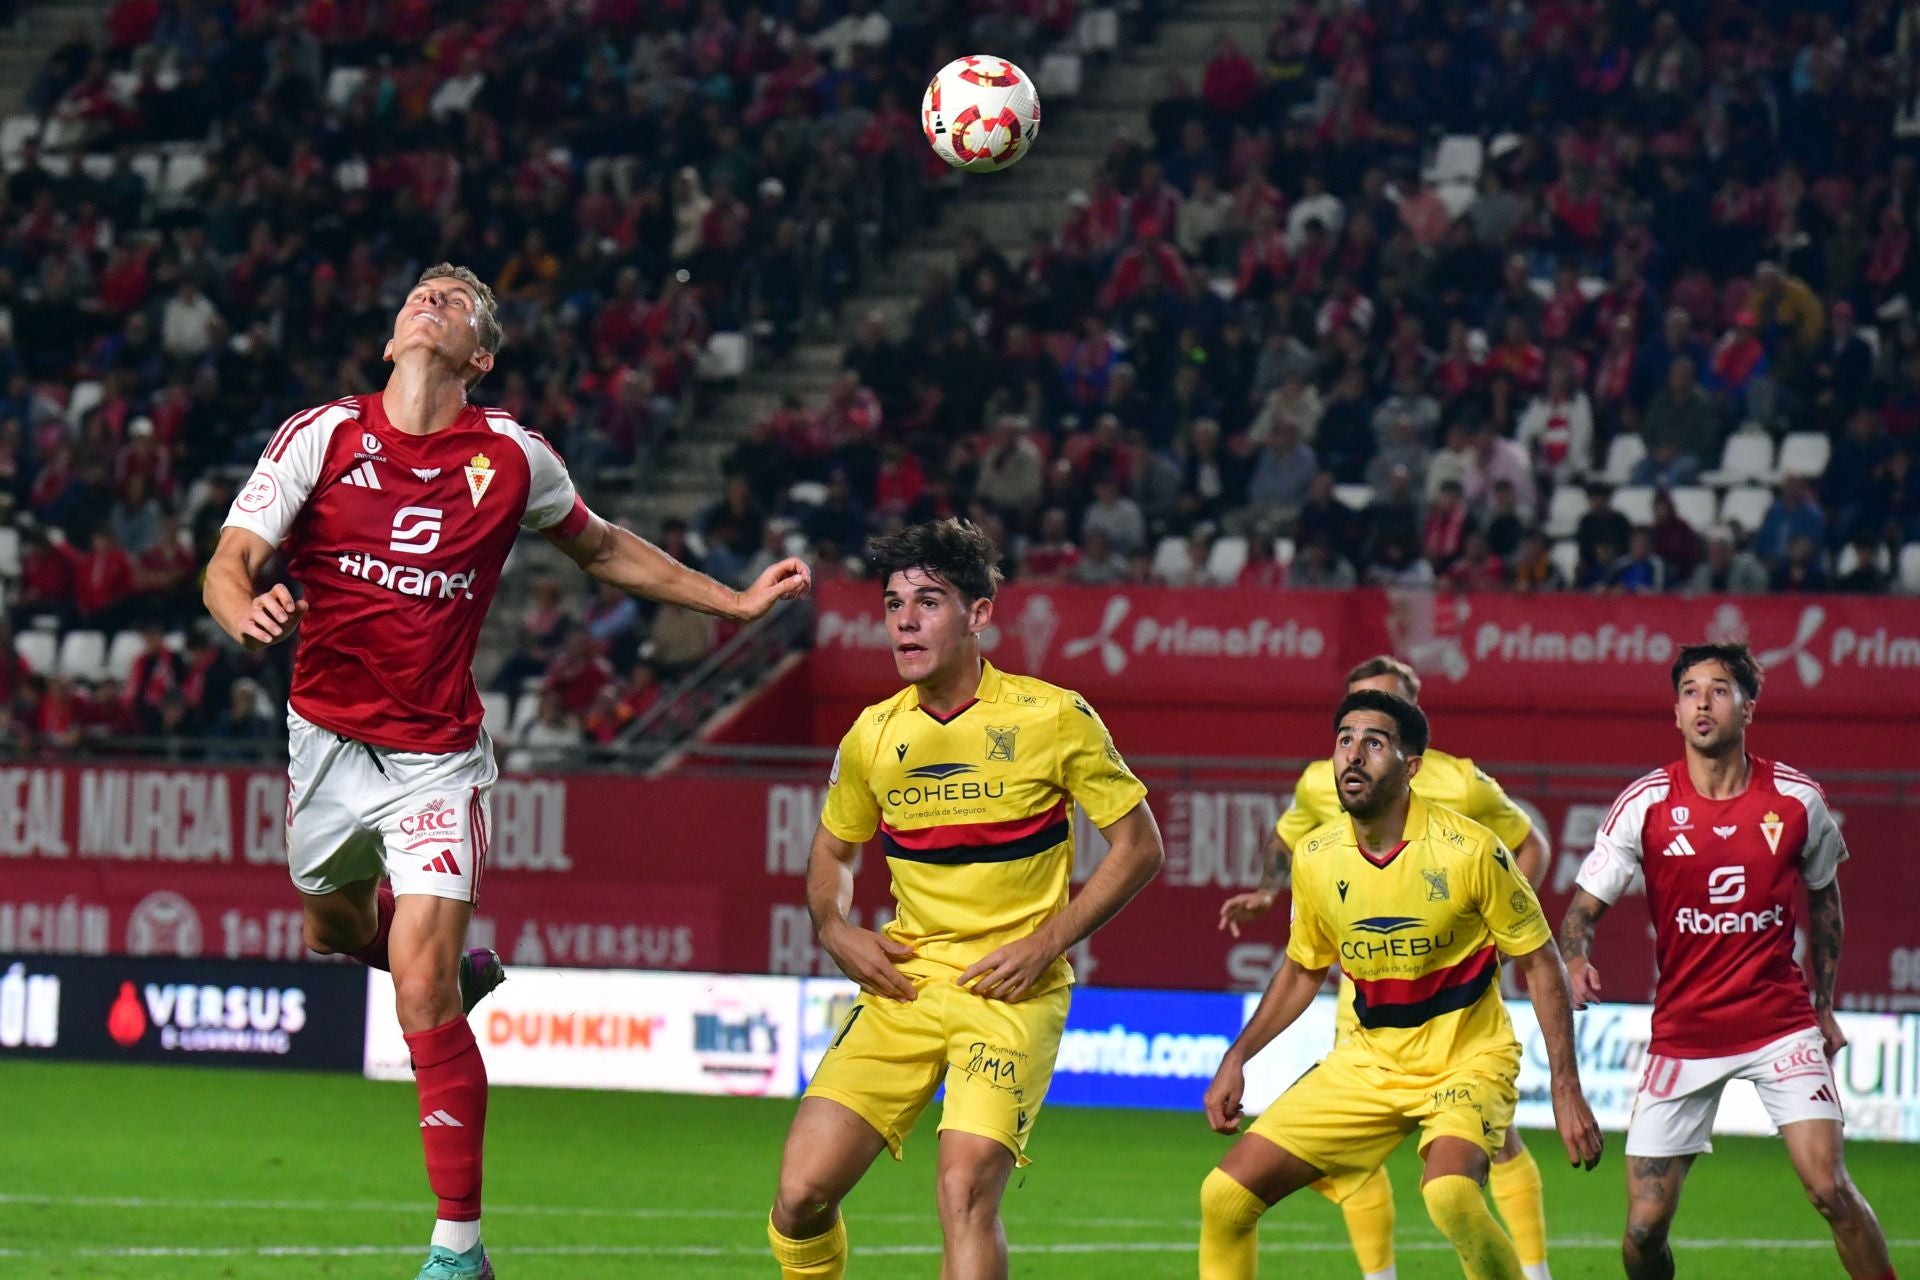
708 873
1179 672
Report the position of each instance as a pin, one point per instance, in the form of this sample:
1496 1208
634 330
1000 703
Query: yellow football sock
822 1258
1229 1221
1456 1206
1369 1214
1516 1192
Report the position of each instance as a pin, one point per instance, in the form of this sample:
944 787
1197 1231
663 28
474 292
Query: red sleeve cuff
572 523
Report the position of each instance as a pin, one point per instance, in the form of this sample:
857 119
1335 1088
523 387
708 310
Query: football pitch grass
172 1174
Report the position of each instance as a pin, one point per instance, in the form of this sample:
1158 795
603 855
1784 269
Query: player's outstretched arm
1826 928
1531 856
1576 942
867 957
256 621
1134 856
1547 987
1288 995
622 558
1254 903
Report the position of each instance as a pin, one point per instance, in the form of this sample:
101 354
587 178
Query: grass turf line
99 1158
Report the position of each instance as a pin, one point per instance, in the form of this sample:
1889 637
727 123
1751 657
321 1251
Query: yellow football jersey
1452 782
1418 932
975 811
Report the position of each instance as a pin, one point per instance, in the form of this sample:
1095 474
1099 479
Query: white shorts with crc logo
1673 1109
355 811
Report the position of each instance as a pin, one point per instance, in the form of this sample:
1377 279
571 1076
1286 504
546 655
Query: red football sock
374 954
452 1080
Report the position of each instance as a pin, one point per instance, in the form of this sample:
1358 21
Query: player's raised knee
804 1205
332 937
967 1189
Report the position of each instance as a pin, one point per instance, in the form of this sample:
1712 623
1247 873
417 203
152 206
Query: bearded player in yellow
1452 782
969 776
1417 903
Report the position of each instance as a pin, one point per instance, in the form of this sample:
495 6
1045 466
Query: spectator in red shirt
1231 83
104 583
1448 521
1052 554
1519 356
61 715
158 674
579 673
48 573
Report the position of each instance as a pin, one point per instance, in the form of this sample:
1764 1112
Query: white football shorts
355 811
1674 1107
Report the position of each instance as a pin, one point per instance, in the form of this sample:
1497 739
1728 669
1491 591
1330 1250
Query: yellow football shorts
996 1058
1349 1111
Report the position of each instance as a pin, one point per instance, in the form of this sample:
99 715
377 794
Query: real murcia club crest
1771 827
479 477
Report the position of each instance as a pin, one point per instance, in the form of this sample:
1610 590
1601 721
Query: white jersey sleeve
1825 849
1610 870
288 471
553 506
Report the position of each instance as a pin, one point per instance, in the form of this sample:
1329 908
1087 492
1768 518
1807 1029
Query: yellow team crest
1000 743
479 477
1771 827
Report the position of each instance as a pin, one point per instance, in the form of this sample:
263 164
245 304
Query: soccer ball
980 113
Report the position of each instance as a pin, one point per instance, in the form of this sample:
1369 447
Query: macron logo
441 1120
1680 848
362 477
416 530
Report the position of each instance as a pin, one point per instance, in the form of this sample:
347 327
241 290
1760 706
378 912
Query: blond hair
486 312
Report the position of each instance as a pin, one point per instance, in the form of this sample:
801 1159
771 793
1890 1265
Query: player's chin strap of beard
368 748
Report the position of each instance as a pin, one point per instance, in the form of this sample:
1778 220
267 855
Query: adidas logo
362 477
1680 848
441 1120
444 864
1825 1094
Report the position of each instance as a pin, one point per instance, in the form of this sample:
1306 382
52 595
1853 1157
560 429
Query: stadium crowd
213 211
1588 296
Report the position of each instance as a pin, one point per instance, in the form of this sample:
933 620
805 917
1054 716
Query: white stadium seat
1623 455
1357 496
1746 506
497 714
1910 567
1694 504
1566 556
38 649
807 493
1283 550
524 709
1170 558
86 396
1805 453
1746 458
9 551
1635 502
1564 511
1849 560
83 655
124 652
1228 558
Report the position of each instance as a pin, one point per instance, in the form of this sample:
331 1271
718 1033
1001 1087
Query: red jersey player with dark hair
1723 840
395 512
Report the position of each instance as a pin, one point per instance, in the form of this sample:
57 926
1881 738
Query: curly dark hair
1735 657
957 552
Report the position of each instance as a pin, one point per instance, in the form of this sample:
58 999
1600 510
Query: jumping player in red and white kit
395 512
1724 840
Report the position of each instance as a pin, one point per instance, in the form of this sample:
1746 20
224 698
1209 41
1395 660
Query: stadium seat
1097 31
807 493
1566 557
1635 502
9 551
794 544
1357 496
525 707
1694 504
1747 457
1283 550
1564 511
183 170
496 716
123 653
14 132
86 397
38 649
1805 453
1170 557
1849 559
1457 159
725 357
83 655
342 84
1062 75
148 165
1746 506
1622 456
1910 567
1227 559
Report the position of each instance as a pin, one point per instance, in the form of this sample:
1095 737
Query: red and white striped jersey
1720 877
398 541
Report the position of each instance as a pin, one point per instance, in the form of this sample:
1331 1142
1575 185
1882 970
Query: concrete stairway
1003 207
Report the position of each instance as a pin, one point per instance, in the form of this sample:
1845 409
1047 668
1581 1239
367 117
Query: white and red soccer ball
980 113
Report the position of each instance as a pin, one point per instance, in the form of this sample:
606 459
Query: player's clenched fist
271 618
788 580
1223 1097
869 959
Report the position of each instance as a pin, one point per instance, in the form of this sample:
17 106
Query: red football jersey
1720 877
398 541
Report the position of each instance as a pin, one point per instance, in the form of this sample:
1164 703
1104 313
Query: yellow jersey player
1416 903
1456 783
968 776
